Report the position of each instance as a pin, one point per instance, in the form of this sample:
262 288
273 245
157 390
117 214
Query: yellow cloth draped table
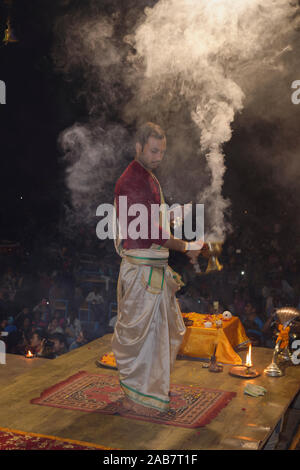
199 341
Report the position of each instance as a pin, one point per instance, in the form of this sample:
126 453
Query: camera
49 344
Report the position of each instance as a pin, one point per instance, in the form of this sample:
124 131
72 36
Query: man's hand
41 351
193 256
194 249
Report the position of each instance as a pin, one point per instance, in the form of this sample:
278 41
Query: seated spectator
3 324
60 319
9 334
253 324
81 339
54 327
47 347
10 327
37 343
72 329
95 296
37 322
59 344
26 326
239 303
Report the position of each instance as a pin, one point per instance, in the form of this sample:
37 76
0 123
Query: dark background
39 106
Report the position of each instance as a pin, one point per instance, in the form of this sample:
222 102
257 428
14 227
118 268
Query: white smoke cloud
190 65
207 50
93 156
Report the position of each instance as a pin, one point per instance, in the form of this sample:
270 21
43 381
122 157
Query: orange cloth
200 341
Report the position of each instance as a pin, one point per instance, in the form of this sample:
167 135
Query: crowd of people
51 302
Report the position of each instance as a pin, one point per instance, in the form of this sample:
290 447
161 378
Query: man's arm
191 249
175 244
136 194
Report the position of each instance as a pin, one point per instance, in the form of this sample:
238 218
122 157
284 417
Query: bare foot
130 405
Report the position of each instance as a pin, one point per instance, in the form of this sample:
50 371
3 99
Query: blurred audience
57 298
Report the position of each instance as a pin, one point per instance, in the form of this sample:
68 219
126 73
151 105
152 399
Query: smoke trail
190 65
93 156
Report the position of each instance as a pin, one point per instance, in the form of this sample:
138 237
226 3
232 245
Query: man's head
54 322
150 145
250 310
83 337
35 340
59 344
3 323
56 315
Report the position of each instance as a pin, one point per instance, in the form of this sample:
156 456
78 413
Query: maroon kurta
140 187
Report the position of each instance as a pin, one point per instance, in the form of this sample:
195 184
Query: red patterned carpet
190 406
11 439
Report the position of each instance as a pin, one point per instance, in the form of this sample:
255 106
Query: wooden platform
17 365
246 423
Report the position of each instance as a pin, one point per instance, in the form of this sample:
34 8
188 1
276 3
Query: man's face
80 337
35 341
152 153
57 345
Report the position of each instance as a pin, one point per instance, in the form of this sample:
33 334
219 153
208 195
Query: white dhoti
149 328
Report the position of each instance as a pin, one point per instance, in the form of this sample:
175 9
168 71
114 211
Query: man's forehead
157 143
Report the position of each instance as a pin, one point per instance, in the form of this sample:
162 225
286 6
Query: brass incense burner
212 250
286 316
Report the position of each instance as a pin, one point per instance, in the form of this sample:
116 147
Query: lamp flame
248 357
29 353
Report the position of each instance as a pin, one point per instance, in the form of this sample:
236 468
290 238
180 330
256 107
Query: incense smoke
191 66
203 52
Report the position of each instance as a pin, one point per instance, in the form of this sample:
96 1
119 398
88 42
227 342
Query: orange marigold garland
283 336
109 359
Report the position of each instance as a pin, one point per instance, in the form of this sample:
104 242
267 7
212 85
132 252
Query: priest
149 328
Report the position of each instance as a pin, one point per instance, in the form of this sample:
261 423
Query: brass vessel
286 316
213 250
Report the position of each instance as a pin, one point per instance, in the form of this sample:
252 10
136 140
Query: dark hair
59 337
149 129
39 334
